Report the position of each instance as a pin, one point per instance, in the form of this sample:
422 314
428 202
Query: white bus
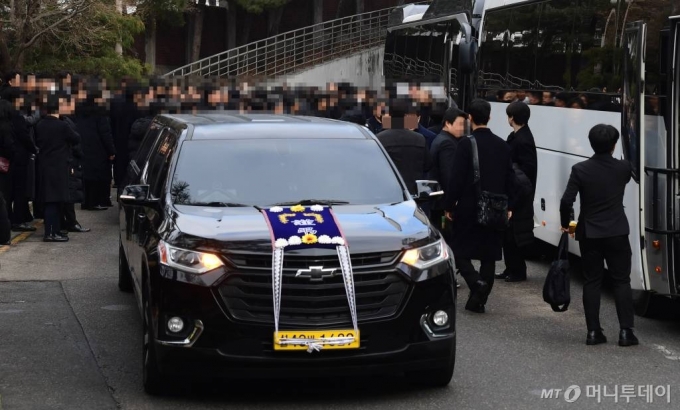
577 63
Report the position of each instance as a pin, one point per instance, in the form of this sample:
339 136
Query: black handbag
492 209
556 289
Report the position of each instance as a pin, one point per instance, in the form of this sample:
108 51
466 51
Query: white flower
324 239
338 240
276 209
294 241
317 208
280 243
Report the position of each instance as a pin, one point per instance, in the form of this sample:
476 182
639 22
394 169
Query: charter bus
577 63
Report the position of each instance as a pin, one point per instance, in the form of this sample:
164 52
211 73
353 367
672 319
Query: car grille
247 294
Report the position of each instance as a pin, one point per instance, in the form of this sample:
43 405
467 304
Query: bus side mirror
467 50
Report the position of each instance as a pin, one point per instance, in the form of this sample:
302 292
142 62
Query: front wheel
436 377
646 303
124 276
154 382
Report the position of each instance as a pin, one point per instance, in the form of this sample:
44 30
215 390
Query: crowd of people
67 139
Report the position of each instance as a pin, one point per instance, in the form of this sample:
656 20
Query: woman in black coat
99 150
7 152
469 240
54 139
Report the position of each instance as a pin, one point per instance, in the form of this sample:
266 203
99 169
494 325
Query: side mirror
427 190
135 195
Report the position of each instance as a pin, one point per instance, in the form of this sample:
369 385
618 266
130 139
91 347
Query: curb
17 239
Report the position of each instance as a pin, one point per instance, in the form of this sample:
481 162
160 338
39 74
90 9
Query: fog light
175 324
440 318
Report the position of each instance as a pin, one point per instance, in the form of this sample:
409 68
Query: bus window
522 33
493 57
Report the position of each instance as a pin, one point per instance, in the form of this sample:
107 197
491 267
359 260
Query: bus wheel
646 303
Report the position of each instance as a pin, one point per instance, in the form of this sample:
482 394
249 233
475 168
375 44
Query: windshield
267 171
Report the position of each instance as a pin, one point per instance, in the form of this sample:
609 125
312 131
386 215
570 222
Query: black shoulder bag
556 289
492 209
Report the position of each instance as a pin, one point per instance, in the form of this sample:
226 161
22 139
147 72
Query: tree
273 7
42 30
154 11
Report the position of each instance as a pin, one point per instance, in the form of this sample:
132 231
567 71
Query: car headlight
189 261
427 256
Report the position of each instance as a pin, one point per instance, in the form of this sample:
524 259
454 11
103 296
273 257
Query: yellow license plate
315 334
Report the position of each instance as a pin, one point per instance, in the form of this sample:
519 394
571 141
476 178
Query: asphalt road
70 340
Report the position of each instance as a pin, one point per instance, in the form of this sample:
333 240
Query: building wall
362 69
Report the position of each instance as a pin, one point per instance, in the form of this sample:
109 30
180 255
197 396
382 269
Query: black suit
468 239
521 230
442 152
408 151
602 232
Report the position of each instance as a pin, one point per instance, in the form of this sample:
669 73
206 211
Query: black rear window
267 171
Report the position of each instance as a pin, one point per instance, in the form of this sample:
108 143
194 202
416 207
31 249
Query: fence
294 50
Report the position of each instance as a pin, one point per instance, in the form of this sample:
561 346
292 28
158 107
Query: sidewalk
17 237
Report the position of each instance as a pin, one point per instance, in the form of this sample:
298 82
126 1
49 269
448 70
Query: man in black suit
406 148
442 151
602 231
520 233
469 240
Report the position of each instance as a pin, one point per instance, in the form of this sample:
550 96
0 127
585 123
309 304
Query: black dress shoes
55 238
516 278
478 297
595 337
23 228
503 275
627 338
78 228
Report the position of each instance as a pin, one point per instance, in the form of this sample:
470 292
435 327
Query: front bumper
228 347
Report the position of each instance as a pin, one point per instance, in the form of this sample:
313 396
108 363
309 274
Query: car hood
367 228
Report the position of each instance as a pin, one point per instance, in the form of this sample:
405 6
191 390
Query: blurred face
547 98
509 97
457 128
533 99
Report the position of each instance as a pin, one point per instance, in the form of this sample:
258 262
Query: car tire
646 304
435 377
124 276
153 379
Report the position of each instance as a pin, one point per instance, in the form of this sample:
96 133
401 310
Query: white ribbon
348 279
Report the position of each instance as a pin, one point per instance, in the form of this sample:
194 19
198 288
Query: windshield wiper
313 202
216 204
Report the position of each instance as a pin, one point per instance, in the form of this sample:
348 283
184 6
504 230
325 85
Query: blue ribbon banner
299 227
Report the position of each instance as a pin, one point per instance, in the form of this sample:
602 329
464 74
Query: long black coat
468 239
54 139
123 114
97 145
523 152
76 193
443 151
408 150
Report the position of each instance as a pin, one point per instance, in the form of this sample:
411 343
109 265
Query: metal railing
294 50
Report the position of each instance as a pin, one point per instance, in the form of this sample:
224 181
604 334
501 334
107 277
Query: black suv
197 251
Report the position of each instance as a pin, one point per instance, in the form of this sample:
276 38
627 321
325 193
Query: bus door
633 145
673 125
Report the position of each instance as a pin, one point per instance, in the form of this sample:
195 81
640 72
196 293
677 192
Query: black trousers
515 264
21 213
97 193
6 189
52 218
68 216
5 231
616 251
487 272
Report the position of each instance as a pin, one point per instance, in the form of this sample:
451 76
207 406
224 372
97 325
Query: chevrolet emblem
315 273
